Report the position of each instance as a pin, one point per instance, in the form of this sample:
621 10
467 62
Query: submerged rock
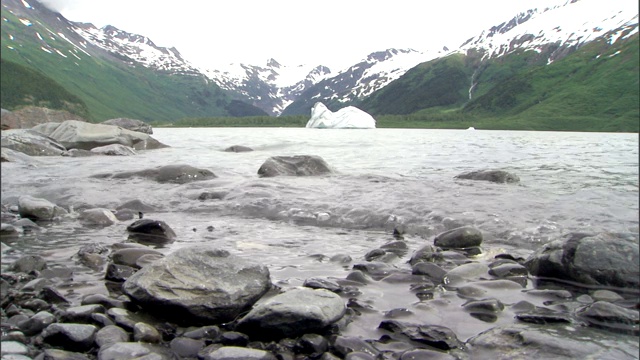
496 176
602 259
293 313
177 174
298 165
238 148
39 209
148 231
198 285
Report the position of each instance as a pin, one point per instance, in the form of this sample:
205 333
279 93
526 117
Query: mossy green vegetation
22 86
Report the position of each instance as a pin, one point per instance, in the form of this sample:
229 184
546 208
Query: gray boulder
177 174
236 353
114 150
459 238
8 155
134 350
98 217
496 176
31 143
602 259
38 209
74 134
72 337
199 285
293 313
130 124
298 165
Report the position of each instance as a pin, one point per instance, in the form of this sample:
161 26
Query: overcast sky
335 33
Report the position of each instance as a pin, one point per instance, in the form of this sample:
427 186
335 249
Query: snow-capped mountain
138 48
568 25
271 87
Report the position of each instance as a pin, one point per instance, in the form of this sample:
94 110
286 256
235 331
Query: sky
334 33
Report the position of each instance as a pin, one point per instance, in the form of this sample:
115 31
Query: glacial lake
383 178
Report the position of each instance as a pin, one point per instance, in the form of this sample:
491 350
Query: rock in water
130 124
298 165
197 285
293 313
349 117
496 176
147 231
602 259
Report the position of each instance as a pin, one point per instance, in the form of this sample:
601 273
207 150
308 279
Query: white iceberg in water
349 117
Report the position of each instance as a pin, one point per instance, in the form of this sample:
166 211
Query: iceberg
349 117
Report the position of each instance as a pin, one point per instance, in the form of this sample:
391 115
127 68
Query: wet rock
134 350
100 299
38 209
465 273
557 342
506 270
111 334
78 153
319 283
114 150
97 217
130 124
427 253
496 176
137 205
294 313
81 314
603 259
439 337
431 270
606 295
312 344
205 332
459 238
343 345
36 323
612 317
13 348
236 353
124 318
119 273
197 284
130 256
375 269
31 143
212 195
185 347
73 134
8 230
298 165
28 263
426 354
359 356
146 333
238 148
151 232
72 337
233 338
175 174
540 315
57 354
485 305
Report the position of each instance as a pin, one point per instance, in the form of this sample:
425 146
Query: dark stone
57 354
612 317
496 176
176 174
603 259
427 253
119 273
311 344
343 345
543 316
506 270
233 338
439 337
459 238
238 148
185 347
431 270
151 232
298 165
72 337
318 283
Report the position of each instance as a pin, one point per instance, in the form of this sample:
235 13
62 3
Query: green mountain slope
595 88
22 86
109 85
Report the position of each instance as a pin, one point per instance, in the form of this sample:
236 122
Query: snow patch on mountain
569 24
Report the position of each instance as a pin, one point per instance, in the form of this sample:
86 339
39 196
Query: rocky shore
574 297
